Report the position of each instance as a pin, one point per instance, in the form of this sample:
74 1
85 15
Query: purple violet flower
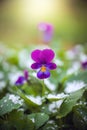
84 64
22 79
47 30
26 75
43 61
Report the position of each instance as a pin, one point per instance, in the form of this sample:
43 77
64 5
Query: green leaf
39 119
56 97
80 117
9 103
76 82
81 76
28 101
19 121
73 97
69 102
50 125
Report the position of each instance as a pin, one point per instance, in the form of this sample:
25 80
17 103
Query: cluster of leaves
30 107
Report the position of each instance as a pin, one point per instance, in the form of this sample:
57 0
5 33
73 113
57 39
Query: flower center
43 68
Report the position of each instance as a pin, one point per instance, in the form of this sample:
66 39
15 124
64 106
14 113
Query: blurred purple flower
22 79
84 64
26 75
43 61
47 30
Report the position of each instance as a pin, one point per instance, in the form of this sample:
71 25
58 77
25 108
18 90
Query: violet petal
46 56
35 55
51 66
36 65
84 65
45 27
49 28
42 27
43 75
47 36
20 81
26 75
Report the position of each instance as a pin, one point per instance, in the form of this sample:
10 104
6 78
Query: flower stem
43 88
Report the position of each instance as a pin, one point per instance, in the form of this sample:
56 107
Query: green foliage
50 125
39 106
80 117
17 120
73 97
39 119
69 103
81 76
9 103
27 100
